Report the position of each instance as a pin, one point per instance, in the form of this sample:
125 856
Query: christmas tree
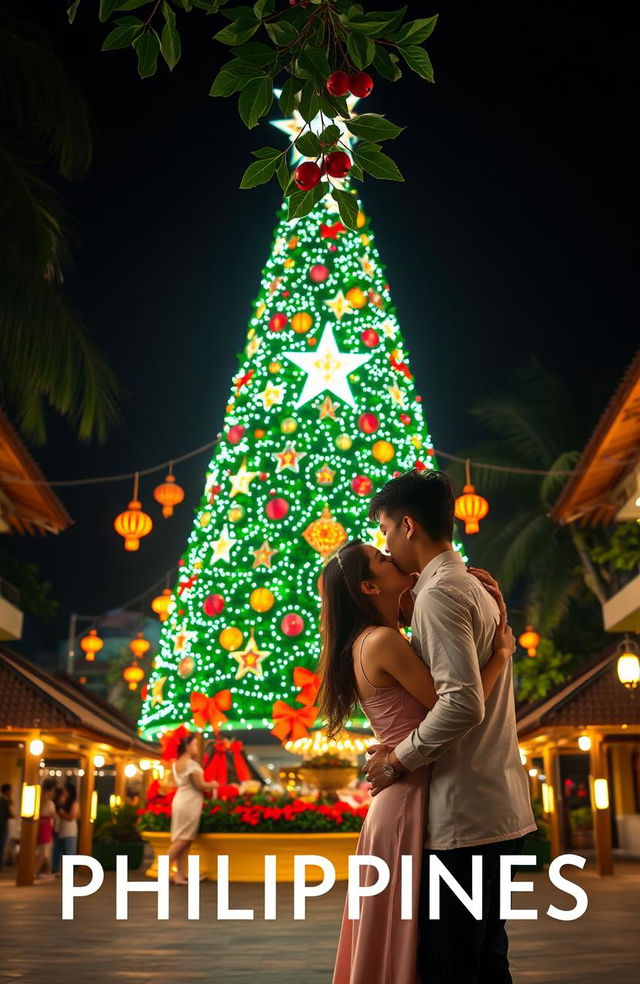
322 412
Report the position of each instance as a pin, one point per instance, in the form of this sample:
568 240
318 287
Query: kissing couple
446 774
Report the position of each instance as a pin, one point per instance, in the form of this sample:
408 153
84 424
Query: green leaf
348 206
377 23
233 77
263 153
356 171
122 36
287 98
258 173
372 126
376 163
330 135
255 100
361 49
301 202
263 7
131 4
309 106
386 64
106 8
235 13
256 53
418 61
332 107
147 48
281 32
415 32
169 38
282 174
315 62
72 10
238 31
308 144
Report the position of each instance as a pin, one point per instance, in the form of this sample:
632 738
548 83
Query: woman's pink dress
380 947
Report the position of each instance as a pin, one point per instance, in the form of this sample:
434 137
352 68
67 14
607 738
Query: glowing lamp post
628 663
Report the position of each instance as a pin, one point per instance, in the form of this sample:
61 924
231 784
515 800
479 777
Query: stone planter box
246 853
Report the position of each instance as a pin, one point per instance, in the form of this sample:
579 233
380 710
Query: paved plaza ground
37 946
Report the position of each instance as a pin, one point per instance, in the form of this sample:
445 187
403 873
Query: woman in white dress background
186 807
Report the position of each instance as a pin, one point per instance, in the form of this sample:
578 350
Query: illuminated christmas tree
322 412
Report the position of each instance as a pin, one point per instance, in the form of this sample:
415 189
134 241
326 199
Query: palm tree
533 425
47 356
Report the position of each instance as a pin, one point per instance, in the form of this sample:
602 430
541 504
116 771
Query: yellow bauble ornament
236 514
261 308
230 638
289 425
383 451
356 297
274 368
361 220
288 263
261 599
343 442
301 322
205 519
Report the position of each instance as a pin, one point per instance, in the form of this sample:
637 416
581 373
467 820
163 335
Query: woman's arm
199 783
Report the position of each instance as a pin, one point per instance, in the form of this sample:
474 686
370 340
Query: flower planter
328 780
247 851
106 853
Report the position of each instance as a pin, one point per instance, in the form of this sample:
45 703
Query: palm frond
553 483
556 581
490 481
516 424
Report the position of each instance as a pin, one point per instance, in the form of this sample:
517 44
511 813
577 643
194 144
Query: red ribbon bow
239 762
216 768
310 683
401 367
292 722
210 710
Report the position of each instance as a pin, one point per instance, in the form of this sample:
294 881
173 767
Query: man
6 814
479 800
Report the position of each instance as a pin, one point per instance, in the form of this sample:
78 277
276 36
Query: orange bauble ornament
161 605
530 640
91 644
230 638
356 297
301 322
383 451
325 534
261 599
168 494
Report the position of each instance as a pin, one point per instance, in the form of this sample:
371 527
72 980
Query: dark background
512 234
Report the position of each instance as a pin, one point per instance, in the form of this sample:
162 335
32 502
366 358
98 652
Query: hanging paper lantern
325 534
213 605
362 485
133 525
91 644
301 322
277 508
133 674
343 442
186 666
471 508
383 451
370 338
368 423
277 322
168 494
139 646
319 273
530 641
292 624
161 605
356 297
261 600
289 425
236 513
235 434
230 638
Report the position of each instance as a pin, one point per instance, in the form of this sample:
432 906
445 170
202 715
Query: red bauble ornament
292 624
277 322
286 293
368 423
332 247
319 273
337 164
405 418
235 434
370 338
361 85
213 605
420 466
277 508
338 84
362 485
307 175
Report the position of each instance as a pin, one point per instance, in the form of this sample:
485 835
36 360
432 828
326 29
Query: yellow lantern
356 297
628 664
133 674
383 451
231 638
168 494
91 644
530 640
261 599
301 322
139 646
133 524
161 605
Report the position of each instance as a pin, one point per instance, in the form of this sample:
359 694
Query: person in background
186 807
6 814
44 843
68 814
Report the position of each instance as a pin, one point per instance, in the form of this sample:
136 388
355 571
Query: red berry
338 84
337 164
306 176
361 85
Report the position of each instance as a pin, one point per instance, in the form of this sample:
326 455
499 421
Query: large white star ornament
222 546
327 369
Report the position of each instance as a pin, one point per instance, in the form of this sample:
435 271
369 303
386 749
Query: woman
67 828
186 806
45 830
366 660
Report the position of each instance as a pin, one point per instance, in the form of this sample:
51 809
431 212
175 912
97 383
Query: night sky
511 234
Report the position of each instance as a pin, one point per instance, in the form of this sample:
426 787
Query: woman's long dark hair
346 612
71 797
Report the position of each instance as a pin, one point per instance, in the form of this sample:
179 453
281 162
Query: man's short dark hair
426 496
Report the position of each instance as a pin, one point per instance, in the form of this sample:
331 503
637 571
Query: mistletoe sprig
314 53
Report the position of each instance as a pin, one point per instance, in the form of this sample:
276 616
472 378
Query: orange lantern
168 494
139 646
471 507
133 524
325 534
91 644
161 605
530 640
133 674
